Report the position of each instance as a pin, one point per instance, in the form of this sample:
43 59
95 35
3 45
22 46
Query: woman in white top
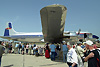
72 60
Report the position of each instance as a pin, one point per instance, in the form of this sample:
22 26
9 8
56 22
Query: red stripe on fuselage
83 33
8 28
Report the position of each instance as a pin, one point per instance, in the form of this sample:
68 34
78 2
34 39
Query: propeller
79 31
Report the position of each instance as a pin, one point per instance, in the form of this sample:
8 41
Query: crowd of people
77 54
80 54
21 48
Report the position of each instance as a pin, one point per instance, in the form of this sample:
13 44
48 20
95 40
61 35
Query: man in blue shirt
53 50
65 50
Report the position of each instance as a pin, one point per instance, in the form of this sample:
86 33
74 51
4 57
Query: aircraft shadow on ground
57 60
9 65
51 64
30 66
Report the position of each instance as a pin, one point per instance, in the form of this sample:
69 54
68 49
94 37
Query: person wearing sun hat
92 54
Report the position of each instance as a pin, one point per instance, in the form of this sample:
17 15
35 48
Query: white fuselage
28 37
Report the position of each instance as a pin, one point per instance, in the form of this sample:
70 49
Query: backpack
98 51
98 57
20 46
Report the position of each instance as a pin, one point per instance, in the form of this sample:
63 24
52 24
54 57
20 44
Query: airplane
53 22
11 34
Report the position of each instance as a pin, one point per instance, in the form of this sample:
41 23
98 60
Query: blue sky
25 14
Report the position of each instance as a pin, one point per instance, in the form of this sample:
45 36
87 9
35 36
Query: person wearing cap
72 60
53 50
65 50
92 54
80 53
80 50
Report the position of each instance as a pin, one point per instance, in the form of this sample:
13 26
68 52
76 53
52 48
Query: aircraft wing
9 38
5 37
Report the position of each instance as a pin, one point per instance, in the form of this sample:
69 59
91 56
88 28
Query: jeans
27 51
52 55
57 53
0 60
19 50
64 56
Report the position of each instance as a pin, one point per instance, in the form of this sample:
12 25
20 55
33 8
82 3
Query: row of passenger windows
27 36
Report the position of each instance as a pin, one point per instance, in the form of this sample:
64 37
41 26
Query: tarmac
18 60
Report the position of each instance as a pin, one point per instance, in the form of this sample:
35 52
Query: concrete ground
18 60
